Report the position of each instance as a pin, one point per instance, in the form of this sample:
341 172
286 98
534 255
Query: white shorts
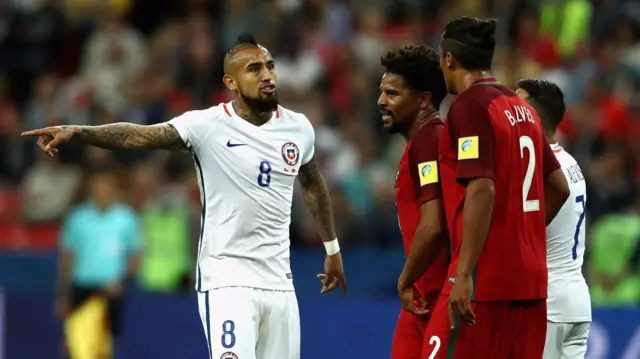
250 323
566 340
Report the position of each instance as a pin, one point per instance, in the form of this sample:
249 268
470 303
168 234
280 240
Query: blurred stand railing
168 327
162 326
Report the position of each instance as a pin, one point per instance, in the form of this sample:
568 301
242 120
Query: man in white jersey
248 154
568 303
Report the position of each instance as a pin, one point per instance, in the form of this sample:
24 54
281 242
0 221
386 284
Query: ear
229 82
522 93
448 60
425 100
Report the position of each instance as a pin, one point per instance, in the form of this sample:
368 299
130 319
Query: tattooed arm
129 136
316 196
113 136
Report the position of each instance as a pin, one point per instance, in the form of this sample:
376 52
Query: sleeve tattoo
316 196
130 136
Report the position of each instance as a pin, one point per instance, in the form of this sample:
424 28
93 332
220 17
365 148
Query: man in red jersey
412 88
500 179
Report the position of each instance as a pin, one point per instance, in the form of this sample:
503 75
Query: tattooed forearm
316 196
129 136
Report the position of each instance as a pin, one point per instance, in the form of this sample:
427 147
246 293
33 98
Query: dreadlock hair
419 66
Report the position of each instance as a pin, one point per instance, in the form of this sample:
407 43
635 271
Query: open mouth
386 115
268 89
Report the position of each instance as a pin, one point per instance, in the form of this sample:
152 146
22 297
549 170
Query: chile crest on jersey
290 153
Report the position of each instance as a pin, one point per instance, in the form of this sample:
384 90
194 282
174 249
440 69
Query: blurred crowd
145 61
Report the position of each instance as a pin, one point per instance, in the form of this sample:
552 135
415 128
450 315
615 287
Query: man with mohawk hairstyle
248 154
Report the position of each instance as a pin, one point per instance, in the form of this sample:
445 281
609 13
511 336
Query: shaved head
244 42
230 57
249 71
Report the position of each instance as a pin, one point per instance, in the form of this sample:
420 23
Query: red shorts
503 330
409 335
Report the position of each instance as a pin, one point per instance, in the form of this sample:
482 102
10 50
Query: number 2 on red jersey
528 205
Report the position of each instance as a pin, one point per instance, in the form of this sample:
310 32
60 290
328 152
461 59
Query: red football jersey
491 133
417 183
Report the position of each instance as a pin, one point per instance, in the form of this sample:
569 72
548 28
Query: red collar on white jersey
226 109
556 148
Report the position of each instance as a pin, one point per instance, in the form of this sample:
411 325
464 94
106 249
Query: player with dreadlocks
412 88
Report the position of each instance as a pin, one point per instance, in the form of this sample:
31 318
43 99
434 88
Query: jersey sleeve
309 150
423 164
473 136
193 127
549 160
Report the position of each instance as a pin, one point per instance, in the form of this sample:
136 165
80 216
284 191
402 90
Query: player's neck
250 115
551 138
421 120
468 78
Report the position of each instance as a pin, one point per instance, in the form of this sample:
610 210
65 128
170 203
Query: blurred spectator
567 20
48 189
198 73
16 151
81 9
43 108
369 42
610 185
113 54
100 243
41 31
534 44
170 230
302 71
614 240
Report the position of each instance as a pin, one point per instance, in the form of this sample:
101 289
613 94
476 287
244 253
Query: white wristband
332 247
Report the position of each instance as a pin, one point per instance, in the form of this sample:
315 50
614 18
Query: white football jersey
246 175
569 299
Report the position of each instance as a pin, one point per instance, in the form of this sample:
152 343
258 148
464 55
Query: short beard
399 126
261 104
393 128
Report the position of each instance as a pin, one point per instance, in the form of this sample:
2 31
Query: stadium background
144 61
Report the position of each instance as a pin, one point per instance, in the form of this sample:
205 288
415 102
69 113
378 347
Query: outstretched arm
129 136
114 136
